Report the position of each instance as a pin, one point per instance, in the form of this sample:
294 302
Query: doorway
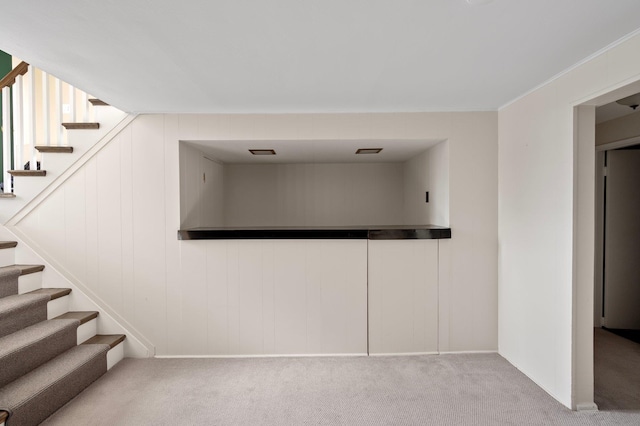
616 320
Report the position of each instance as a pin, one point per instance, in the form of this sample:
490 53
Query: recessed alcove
314 183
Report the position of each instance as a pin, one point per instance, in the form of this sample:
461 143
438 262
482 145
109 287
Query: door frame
584 239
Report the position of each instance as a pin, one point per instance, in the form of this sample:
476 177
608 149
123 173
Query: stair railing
34 106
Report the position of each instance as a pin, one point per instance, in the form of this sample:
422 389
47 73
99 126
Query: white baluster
30 122
17 124
45 109
72 103
58 112
85 107
6 138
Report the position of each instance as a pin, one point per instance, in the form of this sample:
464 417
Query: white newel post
6 138
17 124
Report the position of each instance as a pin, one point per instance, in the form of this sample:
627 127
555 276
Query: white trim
258 356
573 67
404 354
469 352
587 407
618 144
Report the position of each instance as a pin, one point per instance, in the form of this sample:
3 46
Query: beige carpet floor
473 389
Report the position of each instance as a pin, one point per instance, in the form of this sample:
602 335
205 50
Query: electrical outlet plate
66 109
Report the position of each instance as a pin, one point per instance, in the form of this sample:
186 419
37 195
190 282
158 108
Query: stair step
81 126
28 172
22 310
82 316
24 269
7 195
29 348
55 149
38 394
98 102
106 339
7 244
53 293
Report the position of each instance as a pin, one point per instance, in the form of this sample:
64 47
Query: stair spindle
30 122
17 124
58 112
72 103
45 109
6 138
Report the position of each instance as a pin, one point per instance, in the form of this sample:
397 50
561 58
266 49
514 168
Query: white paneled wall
201 189
403 296
313 194
112 229
428 171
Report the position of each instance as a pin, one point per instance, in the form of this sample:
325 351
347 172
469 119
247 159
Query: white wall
118 216
313 194
428 171
545 194
201 189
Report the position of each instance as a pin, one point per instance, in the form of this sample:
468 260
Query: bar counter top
387 232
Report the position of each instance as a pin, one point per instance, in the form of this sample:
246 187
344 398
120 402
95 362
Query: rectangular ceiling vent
263 151
368 150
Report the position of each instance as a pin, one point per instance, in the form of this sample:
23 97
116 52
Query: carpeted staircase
47 355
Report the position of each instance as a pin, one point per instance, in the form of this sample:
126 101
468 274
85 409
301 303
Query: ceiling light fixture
263 151
368 150
632 101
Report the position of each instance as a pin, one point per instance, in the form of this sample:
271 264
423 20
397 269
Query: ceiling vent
263 151
368 150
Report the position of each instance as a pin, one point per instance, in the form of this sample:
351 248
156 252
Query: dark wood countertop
387 232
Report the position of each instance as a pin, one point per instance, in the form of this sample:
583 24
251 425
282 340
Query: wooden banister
9 79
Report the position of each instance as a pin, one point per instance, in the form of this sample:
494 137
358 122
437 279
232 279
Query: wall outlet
426 197
66 108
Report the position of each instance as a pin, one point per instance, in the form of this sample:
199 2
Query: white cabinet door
403 296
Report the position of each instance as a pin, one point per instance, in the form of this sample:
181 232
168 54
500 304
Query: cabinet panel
403 296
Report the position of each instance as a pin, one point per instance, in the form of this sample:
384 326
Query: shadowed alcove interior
314 183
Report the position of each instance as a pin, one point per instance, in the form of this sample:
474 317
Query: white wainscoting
403 296
111 227
257 297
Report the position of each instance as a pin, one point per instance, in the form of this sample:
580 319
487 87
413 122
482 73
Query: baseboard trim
403 354
259 356
589 406
467 352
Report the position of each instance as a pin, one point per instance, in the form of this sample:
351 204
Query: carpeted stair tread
82 316
26 349
106 339
22 310
36 395
7 244
53 293
9 281
24 269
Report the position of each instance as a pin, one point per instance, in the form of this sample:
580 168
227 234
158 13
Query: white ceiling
310 56
313 151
